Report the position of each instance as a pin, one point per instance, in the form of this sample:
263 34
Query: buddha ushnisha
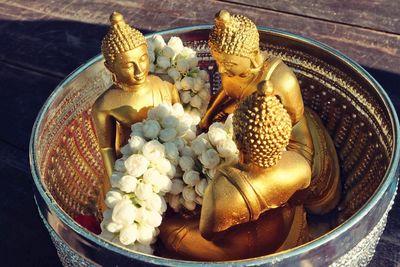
133 92
234 44
245 210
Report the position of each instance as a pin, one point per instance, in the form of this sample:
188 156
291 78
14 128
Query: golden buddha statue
133 92
234 44
245 211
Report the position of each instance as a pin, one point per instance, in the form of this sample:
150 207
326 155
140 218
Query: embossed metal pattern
65 160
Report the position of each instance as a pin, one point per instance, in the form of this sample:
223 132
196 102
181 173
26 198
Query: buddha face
132 67
232 65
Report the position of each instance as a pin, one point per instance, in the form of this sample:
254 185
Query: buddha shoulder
110 99
282 77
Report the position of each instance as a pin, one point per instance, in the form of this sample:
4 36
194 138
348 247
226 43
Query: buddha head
262 127
125 52
234 44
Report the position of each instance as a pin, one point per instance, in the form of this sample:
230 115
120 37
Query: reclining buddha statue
246 210
133 92
288 164
234 44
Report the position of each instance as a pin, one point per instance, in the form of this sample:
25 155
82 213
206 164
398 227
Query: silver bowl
66 165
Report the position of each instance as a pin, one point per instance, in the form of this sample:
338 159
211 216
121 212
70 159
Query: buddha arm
105 130
174 95
216 107
237 197
287 88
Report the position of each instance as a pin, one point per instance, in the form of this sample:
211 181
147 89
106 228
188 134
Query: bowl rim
389 177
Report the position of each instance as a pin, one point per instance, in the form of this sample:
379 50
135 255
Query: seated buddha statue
133 92
245 211
234 44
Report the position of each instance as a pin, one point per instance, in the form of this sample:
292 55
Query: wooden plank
370 48
23 93
24 239
379 15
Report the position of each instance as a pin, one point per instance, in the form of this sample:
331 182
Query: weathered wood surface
380 15
42 41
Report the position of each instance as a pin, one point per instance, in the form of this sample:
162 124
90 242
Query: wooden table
42 41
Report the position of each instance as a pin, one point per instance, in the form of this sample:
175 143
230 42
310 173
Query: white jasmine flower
188 193
190 135
115 177
151 129
174 202
210 158
162 165
171 152
136 165
154 202
124 212
168 52
195 101
199 200
137 128
217 135
126 150
135 144
153 219
182 65
186 163
167 134
113 227
145 234
113 197
191 177
204 75
198 84
216 125
185 96
119 165
227 148
163 110
185 122
178 85
189 205
177 110
164 184
163 62
177 186
152 67
187 83
153 150
127 183
143 191
176 44
228 125
193 62
179 143
187 151
200 188
174 73
151 176
187 52
204 94
200 144
158 42
195 115
152 56
141 215
150 45
128 234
